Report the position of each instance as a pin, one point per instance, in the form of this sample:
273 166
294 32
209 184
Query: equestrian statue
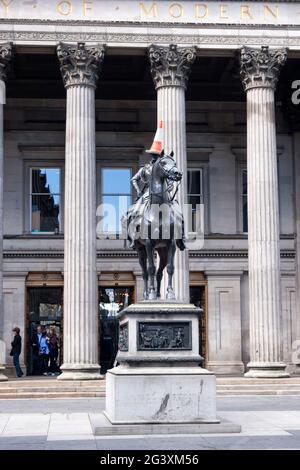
155 223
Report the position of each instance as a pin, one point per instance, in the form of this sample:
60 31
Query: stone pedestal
259 72
159 380
159 358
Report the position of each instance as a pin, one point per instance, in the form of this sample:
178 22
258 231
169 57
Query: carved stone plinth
159 379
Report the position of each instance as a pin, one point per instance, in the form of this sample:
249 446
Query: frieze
164 336
126 38
289 254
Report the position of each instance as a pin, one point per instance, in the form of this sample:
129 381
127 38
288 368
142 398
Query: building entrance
198 297
44 308
112 300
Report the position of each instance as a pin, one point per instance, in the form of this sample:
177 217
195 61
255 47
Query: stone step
51 390
45 394
48 383
246 380
243 392
259 387
50 387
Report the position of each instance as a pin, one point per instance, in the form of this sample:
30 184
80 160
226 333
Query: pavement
268 422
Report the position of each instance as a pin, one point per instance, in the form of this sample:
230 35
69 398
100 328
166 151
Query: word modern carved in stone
186 11
164 335
123 337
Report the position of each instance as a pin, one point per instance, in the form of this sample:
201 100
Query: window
115 197
244 200
195 196
45 200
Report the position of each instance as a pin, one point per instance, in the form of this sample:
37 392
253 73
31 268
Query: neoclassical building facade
83 86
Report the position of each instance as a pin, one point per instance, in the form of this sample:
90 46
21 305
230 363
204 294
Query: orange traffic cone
157 145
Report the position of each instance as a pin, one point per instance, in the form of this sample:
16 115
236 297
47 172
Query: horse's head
168 167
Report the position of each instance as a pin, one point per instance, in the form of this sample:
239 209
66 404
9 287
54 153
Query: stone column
5 57
295 327
80 67
170 68
259 73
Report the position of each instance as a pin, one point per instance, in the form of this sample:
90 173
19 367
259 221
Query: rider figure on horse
148 230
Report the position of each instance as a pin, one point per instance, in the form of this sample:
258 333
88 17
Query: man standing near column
259 73
80 67
170 68
5 58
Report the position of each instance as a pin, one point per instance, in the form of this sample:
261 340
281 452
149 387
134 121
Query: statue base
159 379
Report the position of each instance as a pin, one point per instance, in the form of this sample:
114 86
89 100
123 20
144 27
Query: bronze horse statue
155 223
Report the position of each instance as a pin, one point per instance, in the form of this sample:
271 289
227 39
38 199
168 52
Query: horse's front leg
143 263
162 264
170 269
151 269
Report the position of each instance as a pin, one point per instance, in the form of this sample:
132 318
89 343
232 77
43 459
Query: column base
267 370
3 377
80 372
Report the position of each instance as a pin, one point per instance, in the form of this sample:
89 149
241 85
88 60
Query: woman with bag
53 350
16 347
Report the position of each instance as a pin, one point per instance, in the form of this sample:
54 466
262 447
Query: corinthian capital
261 67
171 66
80 64
5 58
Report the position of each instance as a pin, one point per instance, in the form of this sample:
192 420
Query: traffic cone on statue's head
157 145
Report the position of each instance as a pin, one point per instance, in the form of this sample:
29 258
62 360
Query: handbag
11 353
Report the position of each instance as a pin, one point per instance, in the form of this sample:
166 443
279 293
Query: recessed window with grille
45 200
195 197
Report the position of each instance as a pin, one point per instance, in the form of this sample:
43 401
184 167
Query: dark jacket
16 345
34 341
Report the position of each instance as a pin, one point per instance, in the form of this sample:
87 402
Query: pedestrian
16 347
35 344
53 350
43 352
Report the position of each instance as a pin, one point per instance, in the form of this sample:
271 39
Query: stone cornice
171 65
56 254
80 64
261 67
6 52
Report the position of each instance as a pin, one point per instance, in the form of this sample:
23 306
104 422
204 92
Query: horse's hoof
171 295
152 295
